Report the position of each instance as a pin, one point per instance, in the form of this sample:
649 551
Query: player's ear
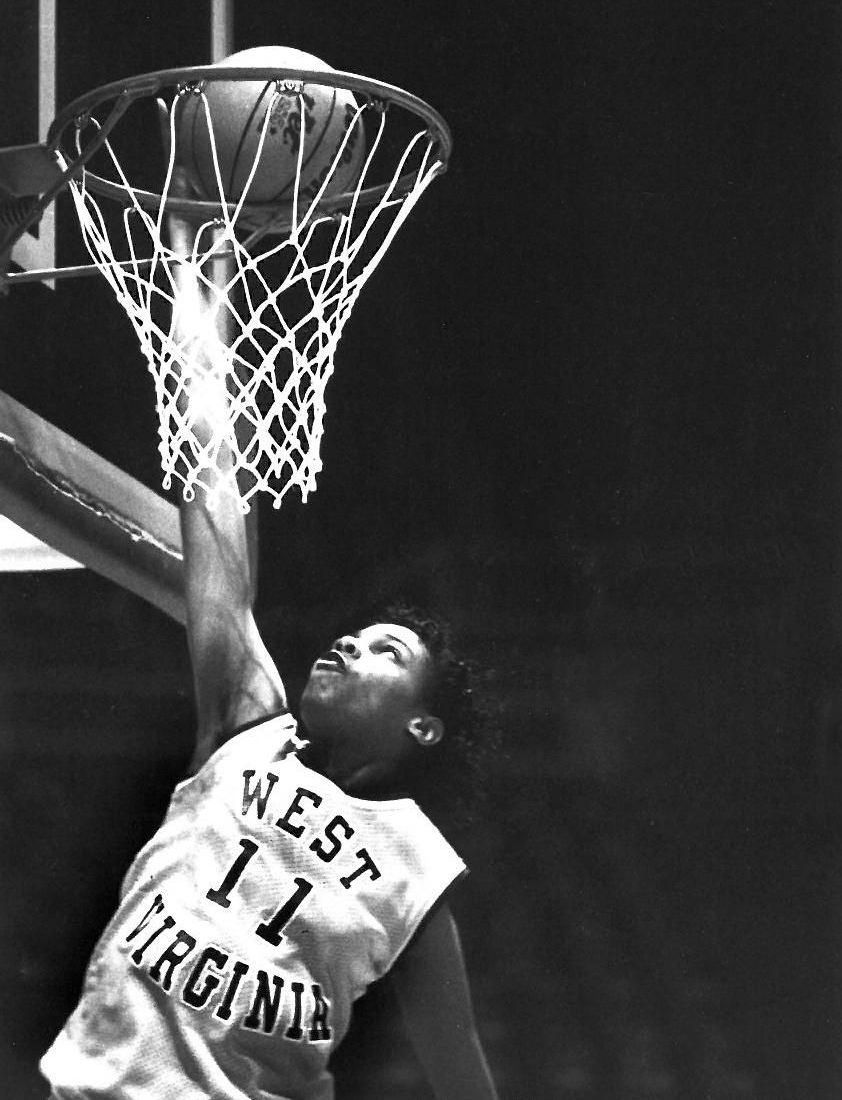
426 729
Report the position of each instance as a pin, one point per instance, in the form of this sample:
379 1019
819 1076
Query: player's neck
373 779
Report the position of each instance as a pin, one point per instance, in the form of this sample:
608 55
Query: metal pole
221 28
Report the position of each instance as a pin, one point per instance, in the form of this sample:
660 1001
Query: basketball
238 117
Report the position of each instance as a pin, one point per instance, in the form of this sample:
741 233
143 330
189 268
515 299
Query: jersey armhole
434 908
223 745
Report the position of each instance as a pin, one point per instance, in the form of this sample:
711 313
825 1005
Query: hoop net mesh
277 291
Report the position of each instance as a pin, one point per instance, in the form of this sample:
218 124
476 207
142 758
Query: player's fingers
181 231
164 124
181 234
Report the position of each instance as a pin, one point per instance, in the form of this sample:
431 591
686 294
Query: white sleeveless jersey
261 909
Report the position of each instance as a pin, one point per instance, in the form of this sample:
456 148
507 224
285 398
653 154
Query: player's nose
347 646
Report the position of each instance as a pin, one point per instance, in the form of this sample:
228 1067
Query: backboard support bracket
67 496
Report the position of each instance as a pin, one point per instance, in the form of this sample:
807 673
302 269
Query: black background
588 406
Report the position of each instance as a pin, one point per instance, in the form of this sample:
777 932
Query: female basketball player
273 893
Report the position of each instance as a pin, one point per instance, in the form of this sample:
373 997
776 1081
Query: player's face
371 682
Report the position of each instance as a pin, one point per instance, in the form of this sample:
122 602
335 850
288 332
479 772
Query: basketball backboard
52 57
28 88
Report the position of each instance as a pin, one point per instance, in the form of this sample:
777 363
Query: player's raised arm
236 681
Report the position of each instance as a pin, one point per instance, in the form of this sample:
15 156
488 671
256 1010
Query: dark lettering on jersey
272 930
257 793
367 864
294 1030
318 1024
191 994
154 909
295 809
172 955
208 979
265 1004
335 823
224 1010
220 894
327 844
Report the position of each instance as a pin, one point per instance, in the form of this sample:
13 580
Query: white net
280 284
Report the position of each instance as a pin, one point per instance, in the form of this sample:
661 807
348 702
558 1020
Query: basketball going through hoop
299 176
246 114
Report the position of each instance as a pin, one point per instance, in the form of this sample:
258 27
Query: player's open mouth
333 661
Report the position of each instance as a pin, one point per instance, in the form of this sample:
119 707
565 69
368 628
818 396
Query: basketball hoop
282 275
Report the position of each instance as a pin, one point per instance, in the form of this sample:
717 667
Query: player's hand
182 232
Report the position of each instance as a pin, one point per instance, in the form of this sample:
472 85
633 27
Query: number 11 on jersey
270 930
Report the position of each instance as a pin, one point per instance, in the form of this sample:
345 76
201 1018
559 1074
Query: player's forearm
431 986
218 570
463 1074
234 677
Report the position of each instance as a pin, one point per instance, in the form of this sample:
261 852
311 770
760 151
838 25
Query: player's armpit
236 683
431 986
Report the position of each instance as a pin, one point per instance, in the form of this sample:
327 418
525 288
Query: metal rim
125 92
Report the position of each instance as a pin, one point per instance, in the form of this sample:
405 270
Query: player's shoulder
274 736
268 740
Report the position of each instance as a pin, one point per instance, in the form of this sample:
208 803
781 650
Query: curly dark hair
449 779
